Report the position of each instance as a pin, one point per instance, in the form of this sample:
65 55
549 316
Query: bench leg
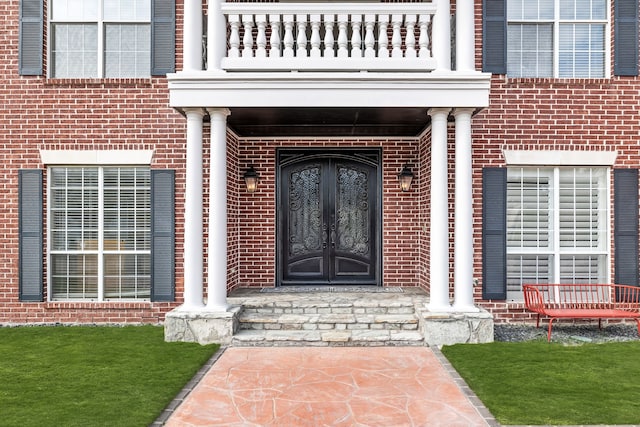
538 321
549 333
599 323
638 321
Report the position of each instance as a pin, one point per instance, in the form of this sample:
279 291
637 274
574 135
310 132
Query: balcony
305 58
329 37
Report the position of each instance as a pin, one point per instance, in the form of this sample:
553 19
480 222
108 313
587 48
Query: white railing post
383 38
356 37
410 39
288 36
396 38
423 41
369 38
315 35
247 39
343 41
234 36
274 41
261 37
329 48
301 39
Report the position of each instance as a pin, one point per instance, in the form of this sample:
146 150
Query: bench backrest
580 296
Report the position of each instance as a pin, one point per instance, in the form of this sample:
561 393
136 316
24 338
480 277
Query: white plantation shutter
556 226
100 225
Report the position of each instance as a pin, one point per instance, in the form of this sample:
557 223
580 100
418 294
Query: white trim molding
560 157
96 157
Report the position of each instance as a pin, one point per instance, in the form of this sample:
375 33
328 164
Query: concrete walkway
328 386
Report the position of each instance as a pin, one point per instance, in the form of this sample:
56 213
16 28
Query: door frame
368 155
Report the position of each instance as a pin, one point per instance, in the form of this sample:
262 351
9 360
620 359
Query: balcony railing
328 37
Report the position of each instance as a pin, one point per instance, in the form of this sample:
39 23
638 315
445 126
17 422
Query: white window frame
556 22
101 23
554 250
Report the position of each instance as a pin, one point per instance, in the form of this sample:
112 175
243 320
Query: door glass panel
305 229
352 208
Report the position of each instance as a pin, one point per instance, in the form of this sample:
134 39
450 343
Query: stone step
327 321
319 307
363 338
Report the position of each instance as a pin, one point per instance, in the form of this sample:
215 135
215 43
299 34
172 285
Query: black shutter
163 37
494 233
30 235
494 36
162 235
625 62
625 230
30 38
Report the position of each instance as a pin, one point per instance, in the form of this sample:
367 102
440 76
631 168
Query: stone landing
328 317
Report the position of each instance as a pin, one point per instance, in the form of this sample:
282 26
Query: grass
541 383
91 376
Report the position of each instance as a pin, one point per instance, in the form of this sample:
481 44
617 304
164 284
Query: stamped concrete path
329 386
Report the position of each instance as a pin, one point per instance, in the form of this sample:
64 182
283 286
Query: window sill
102 83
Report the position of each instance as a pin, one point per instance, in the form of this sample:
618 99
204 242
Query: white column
217 260
193 253
442 35
192 33
439 230
465 36
463 228
217 35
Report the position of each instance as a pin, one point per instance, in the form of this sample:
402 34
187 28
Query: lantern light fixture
251 178
405 177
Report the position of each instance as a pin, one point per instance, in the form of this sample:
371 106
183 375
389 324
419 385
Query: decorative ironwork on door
328 218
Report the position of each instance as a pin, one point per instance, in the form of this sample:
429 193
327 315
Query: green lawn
91 376
549 383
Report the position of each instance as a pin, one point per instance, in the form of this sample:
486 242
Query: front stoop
328 319
201 326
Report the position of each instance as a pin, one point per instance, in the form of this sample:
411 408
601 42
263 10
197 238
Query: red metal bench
583 301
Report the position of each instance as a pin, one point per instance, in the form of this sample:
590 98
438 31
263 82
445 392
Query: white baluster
329 48
369 38
315 36
301 40
261 39
234 36
356 37
288 36
247 40
410 39
396 38
274 41
343 41
383 38
423 40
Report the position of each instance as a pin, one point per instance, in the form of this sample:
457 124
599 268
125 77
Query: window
100 38
557 226
557 38
99 233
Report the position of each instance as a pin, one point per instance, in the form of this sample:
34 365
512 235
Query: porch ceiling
327 122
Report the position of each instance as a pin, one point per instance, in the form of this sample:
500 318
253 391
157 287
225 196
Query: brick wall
38 113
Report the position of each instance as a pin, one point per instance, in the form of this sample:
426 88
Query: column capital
193 112
219 111
438 111
463 110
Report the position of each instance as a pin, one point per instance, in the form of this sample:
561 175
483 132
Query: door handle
333 235
324 236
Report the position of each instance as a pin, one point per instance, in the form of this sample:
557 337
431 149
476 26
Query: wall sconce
251 179
405 177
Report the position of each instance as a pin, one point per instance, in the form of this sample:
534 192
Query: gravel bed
567 332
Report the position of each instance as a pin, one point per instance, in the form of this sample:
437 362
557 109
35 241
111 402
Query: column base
201 325
447 328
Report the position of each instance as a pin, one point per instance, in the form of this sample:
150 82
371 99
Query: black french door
328 217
